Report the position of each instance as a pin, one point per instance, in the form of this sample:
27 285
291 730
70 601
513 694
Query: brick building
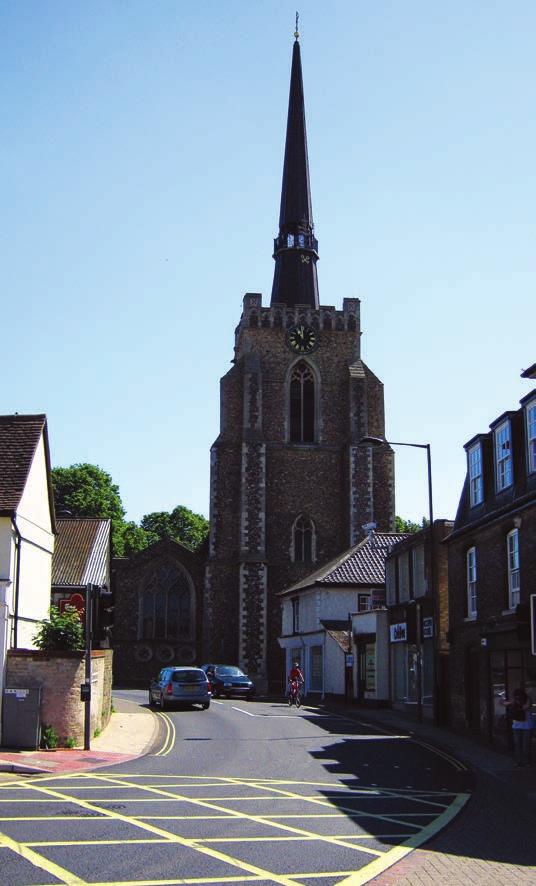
157 610
492 572
290 486
417 601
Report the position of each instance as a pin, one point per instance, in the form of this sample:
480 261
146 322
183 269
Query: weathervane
296 32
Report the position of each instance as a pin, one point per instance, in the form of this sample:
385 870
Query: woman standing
520 710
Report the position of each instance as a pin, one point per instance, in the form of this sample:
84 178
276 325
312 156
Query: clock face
302 338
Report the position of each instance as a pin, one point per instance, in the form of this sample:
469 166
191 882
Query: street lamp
381 441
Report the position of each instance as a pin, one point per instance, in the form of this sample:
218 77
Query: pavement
490 842
130 733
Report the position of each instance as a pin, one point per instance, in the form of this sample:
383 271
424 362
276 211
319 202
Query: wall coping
55 653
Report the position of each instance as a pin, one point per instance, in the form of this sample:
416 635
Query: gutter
18 545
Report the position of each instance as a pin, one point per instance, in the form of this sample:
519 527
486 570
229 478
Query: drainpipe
18 545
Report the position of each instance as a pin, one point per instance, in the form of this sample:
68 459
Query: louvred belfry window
302 405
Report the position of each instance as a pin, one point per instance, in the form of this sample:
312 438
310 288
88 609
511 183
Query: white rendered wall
37 546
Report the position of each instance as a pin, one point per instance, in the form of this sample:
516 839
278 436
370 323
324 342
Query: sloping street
244 792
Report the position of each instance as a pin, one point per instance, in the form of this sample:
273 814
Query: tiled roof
19 438
81 552
364 564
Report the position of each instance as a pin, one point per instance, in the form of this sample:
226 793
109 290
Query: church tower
291 487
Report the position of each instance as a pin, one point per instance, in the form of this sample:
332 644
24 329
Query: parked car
176 685
228 680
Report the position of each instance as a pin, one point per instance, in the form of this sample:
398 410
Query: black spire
295 249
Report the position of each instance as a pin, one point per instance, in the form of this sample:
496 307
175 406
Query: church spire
295 249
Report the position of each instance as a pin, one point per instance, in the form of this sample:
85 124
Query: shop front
411 640
371 643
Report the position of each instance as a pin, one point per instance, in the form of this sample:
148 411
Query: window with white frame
531 435
390 581
503 456
419 580
403 578
512 543
476 485
471 583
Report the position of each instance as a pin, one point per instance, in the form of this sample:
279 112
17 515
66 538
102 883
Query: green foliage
181 524
87 491
134 539
62 632
49 737
402 525
70 742
97 732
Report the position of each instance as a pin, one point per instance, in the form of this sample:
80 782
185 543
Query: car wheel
205 706
151 699
162 703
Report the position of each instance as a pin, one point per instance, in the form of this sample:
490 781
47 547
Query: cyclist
295 677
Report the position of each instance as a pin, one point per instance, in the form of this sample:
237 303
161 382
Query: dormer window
476 486
531 436
503 456
301 240
290 240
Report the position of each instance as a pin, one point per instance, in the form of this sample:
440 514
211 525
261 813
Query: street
244 792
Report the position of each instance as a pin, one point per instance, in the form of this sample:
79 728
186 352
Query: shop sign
427 627
399 632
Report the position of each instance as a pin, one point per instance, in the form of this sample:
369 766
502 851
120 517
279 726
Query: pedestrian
520 710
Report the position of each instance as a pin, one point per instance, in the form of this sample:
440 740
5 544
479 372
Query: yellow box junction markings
382 861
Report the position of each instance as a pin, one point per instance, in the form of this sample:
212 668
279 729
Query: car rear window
229 671
188 677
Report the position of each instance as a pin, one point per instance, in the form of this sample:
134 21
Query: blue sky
142 152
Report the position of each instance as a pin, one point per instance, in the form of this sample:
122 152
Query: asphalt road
244 792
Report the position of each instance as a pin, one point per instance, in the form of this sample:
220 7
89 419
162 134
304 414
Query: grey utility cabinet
21 721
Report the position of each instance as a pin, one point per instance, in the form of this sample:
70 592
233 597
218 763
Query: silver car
185 686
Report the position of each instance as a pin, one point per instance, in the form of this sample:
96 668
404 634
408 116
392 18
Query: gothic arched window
302 404
166 604
303 540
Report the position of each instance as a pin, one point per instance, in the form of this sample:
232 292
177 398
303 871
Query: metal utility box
21 721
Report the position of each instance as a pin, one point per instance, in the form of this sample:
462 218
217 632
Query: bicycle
294 696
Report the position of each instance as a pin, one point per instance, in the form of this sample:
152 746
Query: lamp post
381 441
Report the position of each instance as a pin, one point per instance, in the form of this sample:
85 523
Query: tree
86 490
180 524
134 538
402 525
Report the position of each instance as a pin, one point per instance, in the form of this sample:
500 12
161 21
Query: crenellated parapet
282 316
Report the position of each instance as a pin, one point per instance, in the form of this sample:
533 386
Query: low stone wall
60 675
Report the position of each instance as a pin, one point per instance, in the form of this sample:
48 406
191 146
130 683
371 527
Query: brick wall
60 675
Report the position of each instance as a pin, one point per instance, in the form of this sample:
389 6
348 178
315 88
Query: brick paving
492 841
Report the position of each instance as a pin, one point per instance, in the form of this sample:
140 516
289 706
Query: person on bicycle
295 675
